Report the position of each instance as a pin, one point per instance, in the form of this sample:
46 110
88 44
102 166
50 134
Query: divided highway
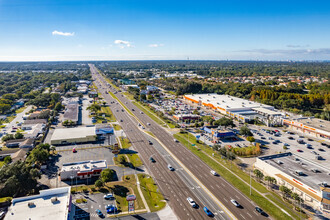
176 186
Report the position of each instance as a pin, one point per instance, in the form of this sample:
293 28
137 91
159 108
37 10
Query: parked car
74 150
192 202
207 211
152 159
99 213
150 143
299 150
111 209
109 196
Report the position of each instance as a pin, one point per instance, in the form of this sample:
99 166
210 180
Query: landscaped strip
154 198
270 208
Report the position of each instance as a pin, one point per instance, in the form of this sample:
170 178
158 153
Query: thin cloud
66 34
122 43
296 46
156 45
292 51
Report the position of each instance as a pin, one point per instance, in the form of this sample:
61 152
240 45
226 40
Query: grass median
154 198
236 182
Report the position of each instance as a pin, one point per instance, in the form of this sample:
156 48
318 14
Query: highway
176 185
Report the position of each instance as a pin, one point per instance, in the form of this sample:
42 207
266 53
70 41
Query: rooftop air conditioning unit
279 162
54 200
31 204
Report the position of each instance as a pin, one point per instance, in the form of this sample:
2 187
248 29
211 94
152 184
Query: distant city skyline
62 30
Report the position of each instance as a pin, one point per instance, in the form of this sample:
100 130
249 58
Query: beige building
73 135
309 180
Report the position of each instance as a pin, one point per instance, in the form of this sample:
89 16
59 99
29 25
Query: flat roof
292 162
84 165
72 133
44 206
230 103
266 111
316 123
71 112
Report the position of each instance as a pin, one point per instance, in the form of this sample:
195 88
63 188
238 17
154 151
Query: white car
170 167
235 202
191 202
214 173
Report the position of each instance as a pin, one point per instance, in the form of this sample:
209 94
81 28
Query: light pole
250 183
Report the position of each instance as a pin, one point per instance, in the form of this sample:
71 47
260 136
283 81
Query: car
259 210
109 196
74 150
133 109
141 112
323 144
321 149
235 203
175 140
150 143
142 127
274 142
214 173
170 167
285 144
309 139
192 202
99 213
148 124
121 120
270 138
299 150
291 138
207 211
314 152
263 138
152 159
111 208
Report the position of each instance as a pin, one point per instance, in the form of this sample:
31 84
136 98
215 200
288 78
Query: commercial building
50 204
309 180
218 134
311 126
73 135
71 113
83 169
241 109
183 117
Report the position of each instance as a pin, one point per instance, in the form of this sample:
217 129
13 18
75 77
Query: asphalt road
174 189
219 187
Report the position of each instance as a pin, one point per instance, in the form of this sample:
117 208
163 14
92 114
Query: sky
44 30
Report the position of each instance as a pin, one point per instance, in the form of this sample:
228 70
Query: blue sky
160 30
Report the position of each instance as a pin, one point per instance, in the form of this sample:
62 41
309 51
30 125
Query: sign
131 206
130 197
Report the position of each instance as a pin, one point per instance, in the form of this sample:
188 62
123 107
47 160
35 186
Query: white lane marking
242 216
249 214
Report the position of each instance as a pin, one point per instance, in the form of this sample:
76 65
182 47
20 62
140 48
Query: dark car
152 159
99 213
259 210
150 142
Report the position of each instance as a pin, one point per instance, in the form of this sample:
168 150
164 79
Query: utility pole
250 184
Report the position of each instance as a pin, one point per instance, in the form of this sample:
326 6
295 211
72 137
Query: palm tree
258 174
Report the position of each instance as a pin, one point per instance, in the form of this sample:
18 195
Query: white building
83 169
241 109
309 180
50 204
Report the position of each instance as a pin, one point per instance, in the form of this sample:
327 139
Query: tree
58 107
258 174
245 131
107 175
94 108
7 160
285 191
122 159
250 139
8 137
224 122
98 183
19 135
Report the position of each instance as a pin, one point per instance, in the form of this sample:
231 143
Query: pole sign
130 197
131 206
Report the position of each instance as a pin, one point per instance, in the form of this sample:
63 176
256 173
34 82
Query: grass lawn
20 109
135 160
128 95
261 201
125 143
2 163
151 193
108 113
116 127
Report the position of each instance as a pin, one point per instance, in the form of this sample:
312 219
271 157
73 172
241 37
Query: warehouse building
311 126
307 179
241 109
83 169
50 204
73 135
